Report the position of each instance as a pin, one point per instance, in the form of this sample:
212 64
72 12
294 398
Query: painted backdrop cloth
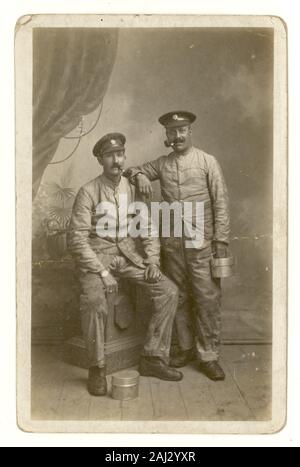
71 71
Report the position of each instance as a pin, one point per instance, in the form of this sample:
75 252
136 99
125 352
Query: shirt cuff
152 260
215 240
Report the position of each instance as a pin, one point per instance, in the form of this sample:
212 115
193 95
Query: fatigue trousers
94 309
198 318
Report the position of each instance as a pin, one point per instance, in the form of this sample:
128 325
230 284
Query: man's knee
208 300
171 289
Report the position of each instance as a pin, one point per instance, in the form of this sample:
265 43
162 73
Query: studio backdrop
104 80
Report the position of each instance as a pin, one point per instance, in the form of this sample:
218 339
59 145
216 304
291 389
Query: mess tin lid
125 377
223 261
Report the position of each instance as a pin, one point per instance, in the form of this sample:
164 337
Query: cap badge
177 117
113 141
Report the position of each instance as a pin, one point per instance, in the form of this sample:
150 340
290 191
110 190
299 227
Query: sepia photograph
151 168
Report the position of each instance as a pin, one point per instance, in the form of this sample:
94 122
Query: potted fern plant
58 218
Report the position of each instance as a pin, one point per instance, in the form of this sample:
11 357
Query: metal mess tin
222 267
125 385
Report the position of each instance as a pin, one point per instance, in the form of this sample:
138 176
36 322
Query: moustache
168 144
116 166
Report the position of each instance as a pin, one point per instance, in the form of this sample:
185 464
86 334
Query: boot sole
182 365
221 378
96 394
153 375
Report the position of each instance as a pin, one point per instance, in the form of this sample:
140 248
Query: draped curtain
71 70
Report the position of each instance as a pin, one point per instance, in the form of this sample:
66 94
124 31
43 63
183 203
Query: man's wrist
153 262
104 273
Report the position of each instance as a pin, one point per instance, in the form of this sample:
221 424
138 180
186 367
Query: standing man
188 174
101 258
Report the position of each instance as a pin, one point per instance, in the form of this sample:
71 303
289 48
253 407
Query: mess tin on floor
125 385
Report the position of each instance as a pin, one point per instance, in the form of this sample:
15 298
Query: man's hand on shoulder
153 273
144 185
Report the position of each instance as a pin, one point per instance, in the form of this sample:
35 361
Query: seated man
101 257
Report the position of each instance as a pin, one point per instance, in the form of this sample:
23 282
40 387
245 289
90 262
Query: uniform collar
110 183
177 156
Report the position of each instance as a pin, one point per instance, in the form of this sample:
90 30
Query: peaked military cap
109 143
177 119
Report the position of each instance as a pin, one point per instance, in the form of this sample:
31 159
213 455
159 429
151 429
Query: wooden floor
59 391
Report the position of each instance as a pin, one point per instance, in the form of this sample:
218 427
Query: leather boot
182 359
97 384
154 366
212 370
